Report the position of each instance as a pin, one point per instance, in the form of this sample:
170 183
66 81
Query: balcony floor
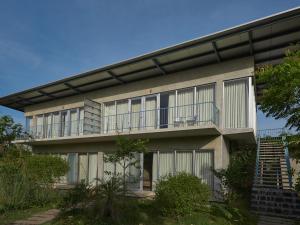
208 130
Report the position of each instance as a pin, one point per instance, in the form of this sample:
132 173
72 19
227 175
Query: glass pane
184 162
236 104
72 174
203 166
166 163
83 170
136 114
93 168
150 113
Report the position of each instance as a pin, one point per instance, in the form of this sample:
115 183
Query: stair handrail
287 159
257 158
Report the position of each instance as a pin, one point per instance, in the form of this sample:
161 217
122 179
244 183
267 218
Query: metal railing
54 130
194 115
200 114
278 135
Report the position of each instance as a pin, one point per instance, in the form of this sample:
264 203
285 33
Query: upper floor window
236 95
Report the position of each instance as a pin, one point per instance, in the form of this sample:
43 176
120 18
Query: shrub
27 179
80 194
238 177
181 194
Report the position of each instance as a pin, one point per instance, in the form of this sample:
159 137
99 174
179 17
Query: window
48 124
109 117
150 112
39 126
122 116
236 103
83 168
93 161
205 104
198 163
29 125
56 124
73 168
136 114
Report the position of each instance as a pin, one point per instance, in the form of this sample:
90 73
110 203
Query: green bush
238 177
181 195
27 180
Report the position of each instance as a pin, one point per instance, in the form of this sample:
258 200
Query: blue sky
42 41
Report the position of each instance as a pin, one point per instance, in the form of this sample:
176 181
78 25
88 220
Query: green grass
13 215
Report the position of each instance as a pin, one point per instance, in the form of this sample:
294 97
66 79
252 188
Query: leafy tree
281 97
9 130
125 156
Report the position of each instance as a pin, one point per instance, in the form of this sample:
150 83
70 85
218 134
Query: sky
43 41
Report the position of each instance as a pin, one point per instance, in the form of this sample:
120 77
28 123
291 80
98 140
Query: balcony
184 117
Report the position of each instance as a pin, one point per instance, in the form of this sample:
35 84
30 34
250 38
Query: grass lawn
13 215
143 212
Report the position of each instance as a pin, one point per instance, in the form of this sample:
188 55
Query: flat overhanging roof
265 39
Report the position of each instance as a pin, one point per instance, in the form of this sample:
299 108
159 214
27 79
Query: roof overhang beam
217 53
159 67
113 75
73 88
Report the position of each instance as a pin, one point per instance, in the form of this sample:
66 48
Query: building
192 101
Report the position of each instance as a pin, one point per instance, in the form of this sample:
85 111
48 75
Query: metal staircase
272 193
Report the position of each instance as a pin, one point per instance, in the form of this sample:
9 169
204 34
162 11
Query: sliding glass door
136 114
150 112
109 117
205 99
236 96
122 116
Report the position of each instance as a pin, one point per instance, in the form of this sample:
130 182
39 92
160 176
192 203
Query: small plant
27 179
125 156
181 195
107 192
79 196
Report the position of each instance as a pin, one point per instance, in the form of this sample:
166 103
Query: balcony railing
200 114
195 115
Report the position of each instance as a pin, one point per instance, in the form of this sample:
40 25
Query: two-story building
191 100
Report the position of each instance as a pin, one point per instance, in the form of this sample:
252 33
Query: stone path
39 218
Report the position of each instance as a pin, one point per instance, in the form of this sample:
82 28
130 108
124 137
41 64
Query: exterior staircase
273 197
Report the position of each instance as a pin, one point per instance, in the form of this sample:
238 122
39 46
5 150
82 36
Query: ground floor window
197 162
83 167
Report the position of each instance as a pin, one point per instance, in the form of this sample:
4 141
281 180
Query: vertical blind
136 108
109 117
205 103
150 112
93 164
83 170
74 122
184 162
185 102
236 103
122 115
39 126
203 167
201 164
73 163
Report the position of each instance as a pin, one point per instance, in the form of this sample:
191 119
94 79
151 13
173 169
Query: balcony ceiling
265 39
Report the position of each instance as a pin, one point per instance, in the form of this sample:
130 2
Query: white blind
109 117
93 168
122 115
205 103
83 170
150 113
185 101
136 114
184 162
203 167
236 103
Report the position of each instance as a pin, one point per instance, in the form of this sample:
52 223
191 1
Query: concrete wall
216 73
